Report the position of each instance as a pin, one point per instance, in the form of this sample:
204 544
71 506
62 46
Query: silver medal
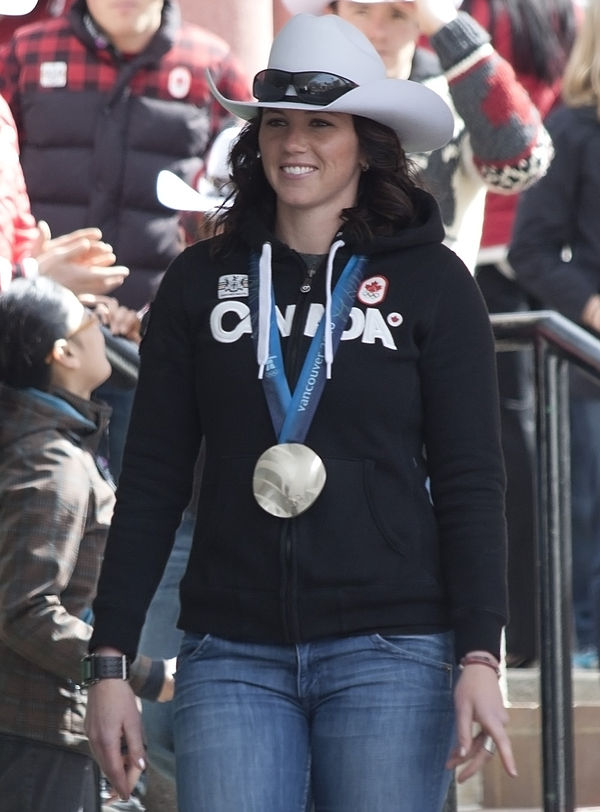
287 479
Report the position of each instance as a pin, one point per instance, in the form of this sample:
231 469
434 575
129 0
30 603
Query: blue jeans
120 400
359 724
585 511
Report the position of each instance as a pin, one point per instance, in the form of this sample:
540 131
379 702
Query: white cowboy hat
213 187
329 46
14 8
319 6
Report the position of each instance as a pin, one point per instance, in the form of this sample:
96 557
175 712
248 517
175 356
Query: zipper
288 587
293 364
306 285
312 263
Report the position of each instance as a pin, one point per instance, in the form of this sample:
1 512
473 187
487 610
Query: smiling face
311 160
392 29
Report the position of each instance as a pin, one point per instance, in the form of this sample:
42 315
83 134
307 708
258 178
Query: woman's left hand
477 699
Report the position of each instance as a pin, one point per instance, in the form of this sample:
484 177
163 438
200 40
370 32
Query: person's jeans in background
120 399
585 512
360 723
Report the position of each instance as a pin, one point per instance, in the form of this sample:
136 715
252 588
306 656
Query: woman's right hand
114 728
478 702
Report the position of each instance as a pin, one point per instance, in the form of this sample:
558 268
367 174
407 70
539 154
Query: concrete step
523 685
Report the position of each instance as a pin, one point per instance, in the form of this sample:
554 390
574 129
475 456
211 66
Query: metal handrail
515 330
557 342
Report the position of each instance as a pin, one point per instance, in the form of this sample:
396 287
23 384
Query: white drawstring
328 326
264 308
265 303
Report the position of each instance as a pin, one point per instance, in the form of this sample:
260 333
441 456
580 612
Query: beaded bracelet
480 659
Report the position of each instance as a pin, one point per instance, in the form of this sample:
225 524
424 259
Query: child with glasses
56 503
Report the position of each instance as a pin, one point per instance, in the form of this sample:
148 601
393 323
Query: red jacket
17 225
500 209
96 127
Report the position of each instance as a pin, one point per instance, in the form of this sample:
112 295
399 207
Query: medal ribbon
292 414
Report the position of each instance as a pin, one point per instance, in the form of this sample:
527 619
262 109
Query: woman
554 254
348 553
56 503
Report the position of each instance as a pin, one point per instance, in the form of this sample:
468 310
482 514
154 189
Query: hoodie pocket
369 525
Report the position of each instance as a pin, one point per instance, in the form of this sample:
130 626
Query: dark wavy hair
386 193
33 315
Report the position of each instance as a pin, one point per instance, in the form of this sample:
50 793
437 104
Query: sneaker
134 804
585 658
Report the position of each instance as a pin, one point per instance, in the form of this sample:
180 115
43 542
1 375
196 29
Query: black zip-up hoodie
408 533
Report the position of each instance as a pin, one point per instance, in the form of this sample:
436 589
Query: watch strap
95 667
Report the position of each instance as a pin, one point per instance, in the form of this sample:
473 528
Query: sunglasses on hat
311 87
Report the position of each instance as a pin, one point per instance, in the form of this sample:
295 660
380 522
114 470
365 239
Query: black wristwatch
95 667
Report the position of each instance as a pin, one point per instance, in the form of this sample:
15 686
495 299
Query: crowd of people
317 501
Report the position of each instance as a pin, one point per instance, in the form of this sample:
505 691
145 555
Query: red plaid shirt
96 127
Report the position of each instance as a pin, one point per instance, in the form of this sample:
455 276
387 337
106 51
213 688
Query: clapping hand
79 260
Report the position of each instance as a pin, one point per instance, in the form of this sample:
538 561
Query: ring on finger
489 745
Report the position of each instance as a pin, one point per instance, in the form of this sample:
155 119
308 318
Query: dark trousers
517 411
37 777
120 399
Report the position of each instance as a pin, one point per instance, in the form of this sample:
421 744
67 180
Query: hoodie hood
29 411
426 229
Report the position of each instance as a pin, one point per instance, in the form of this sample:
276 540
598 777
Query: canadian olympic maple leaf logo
373 290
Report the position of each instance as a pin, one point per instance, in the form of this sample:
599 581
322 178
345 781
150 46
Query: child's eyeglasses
89 318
